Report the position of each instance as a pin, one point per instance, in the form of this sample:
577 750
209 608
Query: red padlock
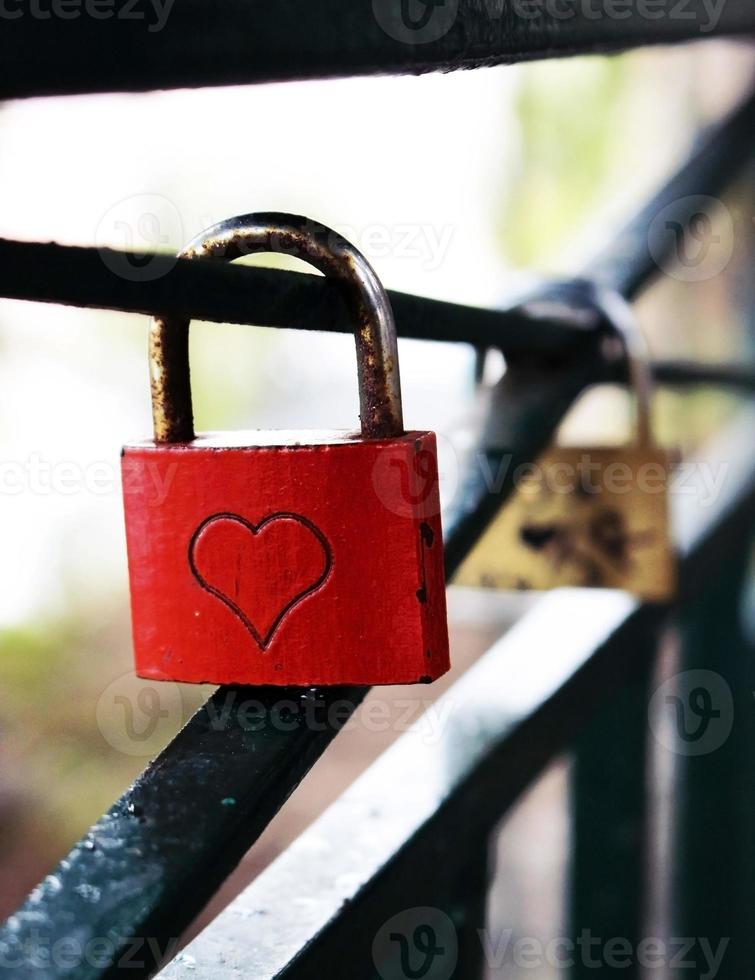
280 557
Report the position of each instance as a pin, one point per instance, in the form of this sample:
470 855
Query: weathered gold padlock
587 516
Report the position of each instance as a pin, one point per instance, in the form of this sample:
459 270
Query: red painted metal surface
274 559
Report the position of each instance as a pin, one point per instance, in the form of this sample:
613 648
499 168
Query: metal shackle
374 332
639 373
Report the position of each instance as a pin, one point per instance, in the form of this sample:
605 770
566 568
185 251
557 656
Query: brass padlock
587 516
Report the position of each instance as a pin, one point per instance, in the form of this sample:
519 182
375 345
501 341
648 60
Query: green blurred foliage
566 155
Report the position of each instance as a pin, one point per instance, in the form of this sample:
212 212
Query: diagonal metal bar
149 865
146 45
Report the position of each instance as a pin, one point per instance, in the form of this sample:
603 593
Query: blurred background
457 187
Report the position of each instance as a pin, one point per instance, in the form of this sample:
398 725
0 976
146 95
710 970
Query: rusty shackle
374 331
623 322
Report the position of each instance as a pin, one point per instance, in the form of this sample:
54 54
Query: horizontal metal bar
108 46
108 279
316 909
684 374
552 320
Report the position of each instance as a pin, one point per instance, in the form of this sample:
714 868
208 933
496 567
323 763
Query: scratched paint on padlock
582 517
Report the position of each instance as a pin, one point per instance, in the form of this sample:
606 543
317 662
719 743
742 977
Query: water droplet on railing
90 893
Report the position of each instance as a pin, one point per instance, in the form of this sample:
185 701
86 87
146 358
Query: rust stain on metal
380 395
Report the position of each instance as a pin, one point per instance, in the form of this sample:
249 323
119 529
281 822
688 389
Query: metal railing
144 45
165 847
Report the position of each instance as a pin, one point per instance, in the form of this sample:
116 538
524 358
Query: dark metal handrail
186 43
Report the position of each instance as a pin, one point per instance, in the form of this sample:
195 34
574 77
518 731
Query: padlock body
286 559
579 516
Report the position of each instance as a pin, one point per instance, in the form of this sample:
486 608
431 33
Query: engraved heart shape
261 572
